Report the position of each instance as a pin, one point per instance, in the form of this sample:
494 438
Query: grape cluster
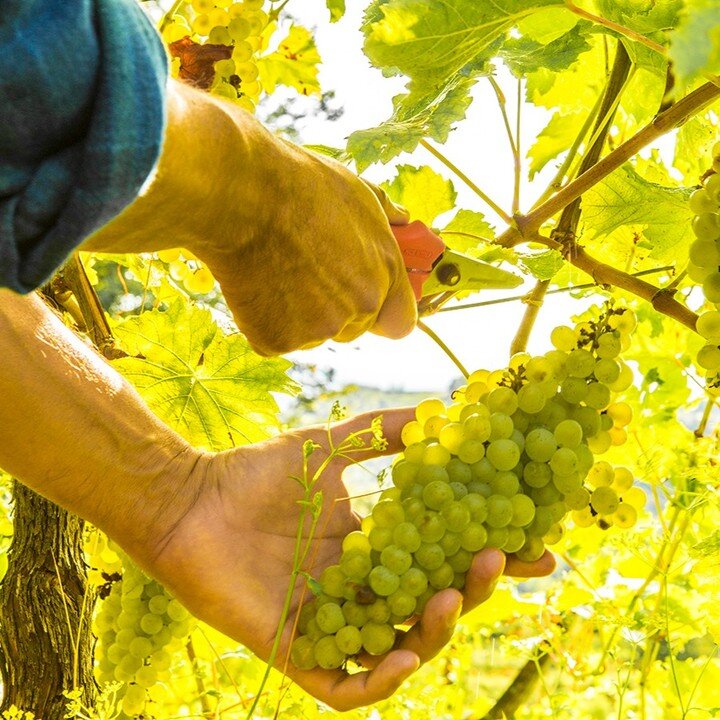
185 268
137 626
704 267
236 25
501 467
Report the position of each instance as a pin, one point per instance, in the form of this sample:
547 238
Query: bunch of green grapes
138 625
502 466
104 562
237 25
704 267
185 268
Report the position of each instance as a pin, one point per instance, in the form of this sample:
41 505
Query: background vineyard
628 625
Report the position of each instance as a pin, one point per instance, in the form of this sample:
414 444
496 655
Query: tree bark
46 644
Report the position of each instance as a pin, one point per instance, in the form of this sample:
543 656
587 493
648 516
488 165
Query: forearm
72 429
203 166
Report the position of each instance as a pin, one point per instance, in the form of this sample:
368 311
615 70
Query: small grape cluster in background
502 467
238 26
185 268
704 267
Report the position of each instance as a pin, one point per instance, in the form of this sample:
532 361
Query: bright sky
480 337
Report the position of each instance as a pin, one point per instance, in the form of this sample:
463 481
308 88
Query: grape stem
460 174
429 331
533 301
207 711
616 27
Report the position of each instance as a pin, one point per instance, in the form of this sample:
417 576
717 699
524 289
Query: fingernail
454 616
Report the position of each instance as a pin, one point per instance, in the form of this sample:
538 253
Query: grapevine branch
567 225
525 226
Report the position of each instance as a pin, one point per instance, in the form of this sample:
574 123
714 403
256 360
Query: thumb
396 214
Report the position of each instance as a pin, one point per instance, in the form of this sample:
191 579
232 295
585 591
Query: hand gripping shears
437 273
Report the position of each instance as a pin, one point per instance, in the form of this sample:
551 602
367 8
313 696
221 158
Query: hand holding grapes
301 247
228 558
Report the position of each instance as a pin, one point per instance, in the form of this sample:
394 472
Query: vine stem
525 227
460 174
622 29
533 301
429 331
554 291
207 711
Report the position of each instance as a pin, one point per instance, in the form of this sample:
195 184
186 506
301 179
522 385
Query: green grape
537 474
354 613
708 357
176 611
711 287
518 438
473 537
704 254
706 226
436 494
635 496
483 471
414 581
578 499
242 51
604 500
140 647
414 453
564 461
503 454
499 511
701 202
151 623
477 505
158 604
477 427
451 436
531 398
429 556
459 490
608 348
521 421
502 400
383 581
436 454
457 516
625 515
515 540
568 434
501 426
380 538
327 653
402 603
708 325
396 559
546 495
580 363
404 473
388 513
450 543
505 483
541 522
133 702
623 479
540 445
564 338
607 371
598 395
378 612
429 408
377 639
471 450
589 420
333 581
624 381
349 640
302 653
554 534
532 550
441 577
497 537
406 536
458 471
431 526
414 508
573 390
356 564
601 474
432 473
523 510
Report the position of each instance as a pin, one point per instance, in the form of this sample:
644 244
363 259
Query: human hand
229 557
301 247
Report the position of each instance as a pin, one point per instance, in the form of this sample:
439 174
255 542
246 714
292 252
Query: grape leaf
644 16
336 8
523 55
694 144
695 44
294 63
467 230
548 24
557 136
625 200
543 265
415 116
423 192
431 40
208 386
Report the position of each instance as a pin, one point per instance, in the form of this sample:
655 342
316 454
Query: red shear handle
420 247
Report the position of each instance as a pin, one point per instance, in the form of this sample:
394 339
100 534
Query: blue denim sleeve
82 113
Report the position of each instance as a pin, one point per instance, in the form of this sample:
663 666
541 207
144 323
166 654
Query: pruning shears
437 273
